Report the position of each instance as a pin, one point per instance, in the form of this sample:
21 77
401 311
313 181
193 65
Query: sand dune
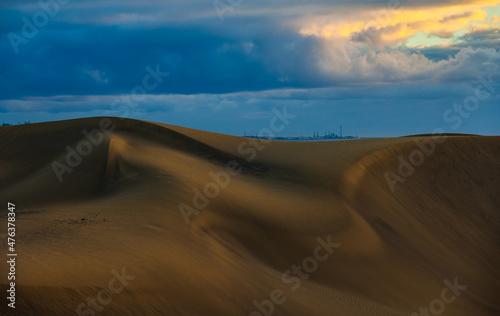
164 220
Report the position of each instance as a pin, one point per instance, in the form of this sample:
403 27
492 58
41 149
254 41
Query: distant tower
340 131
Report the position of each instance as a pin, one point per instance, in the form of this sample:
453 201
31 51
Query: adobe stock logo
222 7
248 149
416 158
438 306
105 296
456 114
40 19
293 277
84 148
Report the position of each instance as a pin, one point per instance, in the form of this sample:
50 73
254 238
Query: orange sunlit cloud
393 26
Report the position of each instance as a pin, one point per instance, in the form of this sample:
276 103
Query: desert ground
127 217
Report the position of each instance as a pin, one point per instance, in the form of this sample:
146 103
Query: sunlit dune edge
143 218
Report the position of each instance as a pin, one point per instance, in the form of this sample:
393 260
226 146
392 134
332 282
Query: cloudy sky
378 67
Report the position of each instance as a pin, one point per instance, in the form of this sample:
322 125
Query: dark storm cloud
231 70
103 47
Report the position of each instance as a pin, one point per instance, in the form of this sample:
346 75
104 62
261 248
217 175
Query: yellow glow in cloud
392 26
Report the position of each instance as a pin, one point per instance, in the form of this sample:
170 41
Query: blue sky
379 68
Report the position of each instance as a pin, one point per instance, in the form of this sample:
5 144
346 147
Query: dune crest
322 208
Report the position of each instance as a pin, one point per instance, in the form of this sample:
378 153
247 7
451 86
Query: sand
287 228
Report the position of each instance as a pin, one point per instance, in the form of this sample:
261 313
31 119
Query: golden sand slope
118 213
